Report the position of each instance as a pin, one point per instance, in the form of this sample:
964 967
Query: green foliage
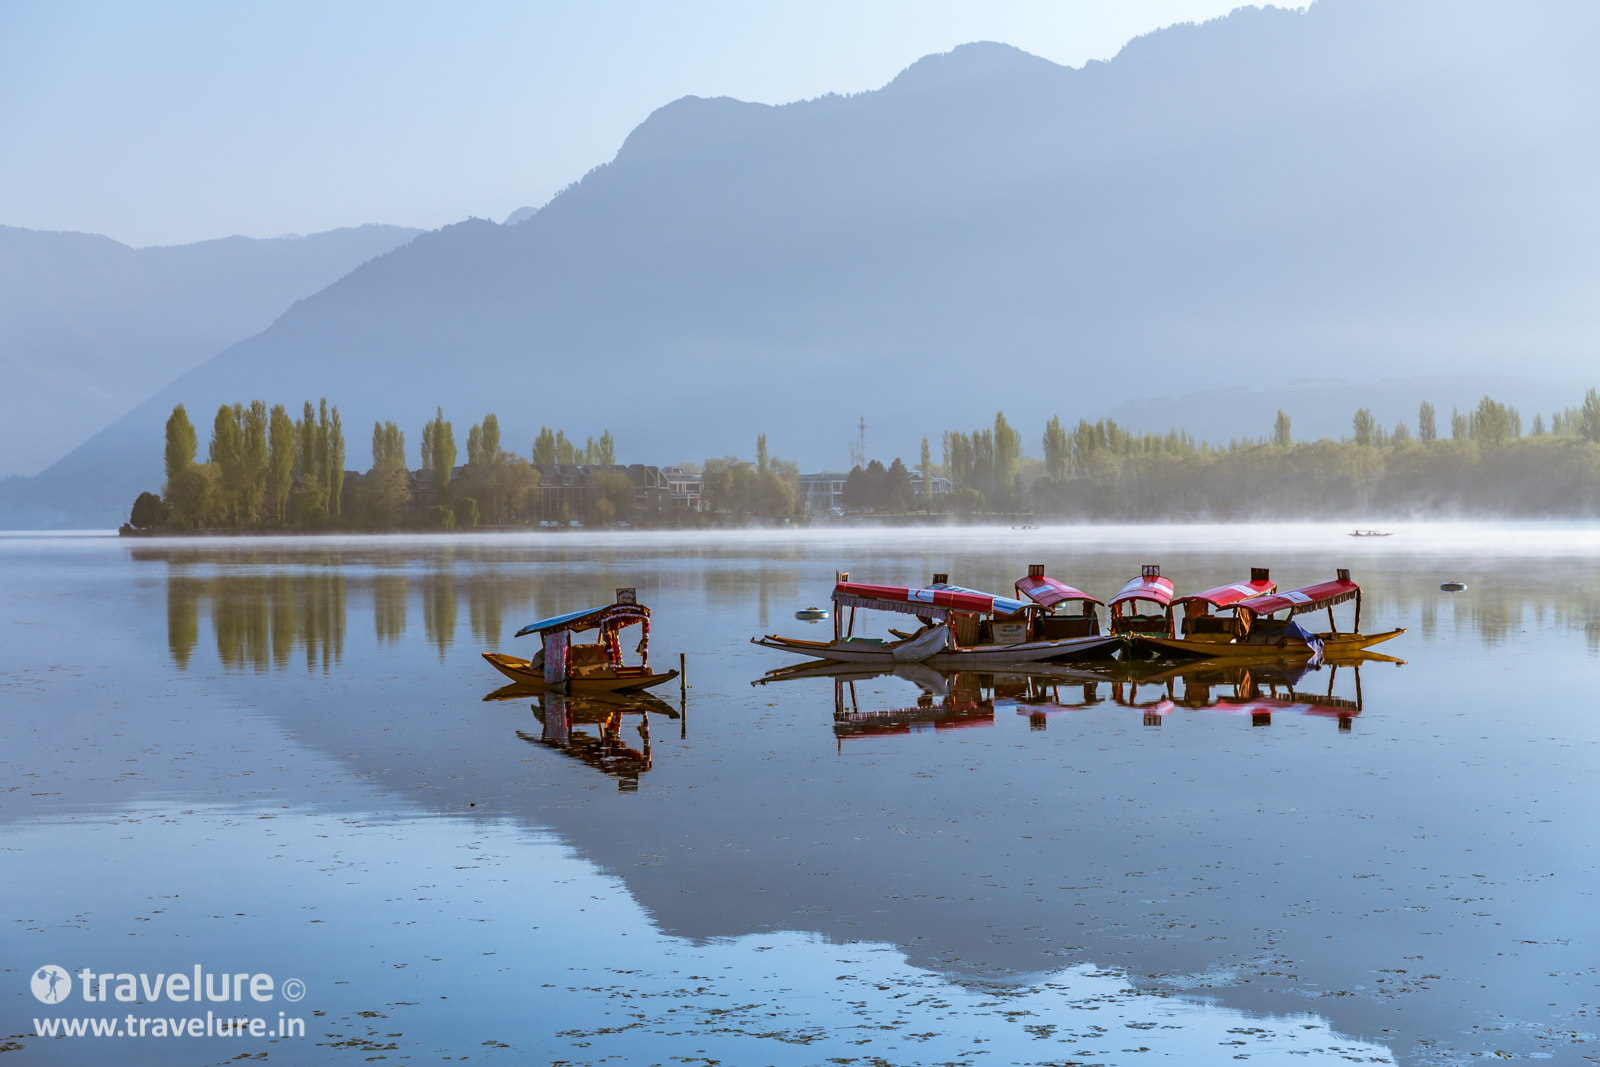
964 501
280 461
1460 426
1589 416
148 512
1426 428
1280 430
466 511
1364 424
742 490
1057 451
441 517
439 452
879 488
181 443
194 496
610 495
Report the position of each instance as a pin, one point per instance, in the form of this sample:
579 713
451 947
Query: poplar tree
927 474
439 452
1427 430
226 454
280 461
255 459
1280 429
335 437
181 444
388 492
607 450
1055 448
1363 424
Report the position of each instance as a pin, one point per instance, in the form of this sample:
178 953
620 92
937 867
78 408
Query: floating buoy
812 614
1453 587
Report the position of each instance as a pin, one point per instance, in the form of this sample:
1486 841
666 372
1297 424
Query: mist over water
274 755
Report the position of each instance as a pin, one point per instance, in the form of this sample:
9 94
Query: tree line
264 468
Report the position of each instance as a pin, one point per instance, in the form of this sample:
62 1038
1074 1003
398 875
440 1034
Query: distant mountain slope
1368 189
90 327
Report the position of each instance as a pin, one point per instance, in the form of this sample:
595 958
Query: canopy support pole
1332 625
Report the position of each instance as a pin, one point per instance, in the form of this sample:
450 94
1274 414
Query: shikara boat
1127 622
1053 618
585 667
1200 629
1258 634
960 628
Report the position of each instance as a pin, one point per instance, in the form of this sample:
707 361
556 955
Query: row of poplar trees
261 467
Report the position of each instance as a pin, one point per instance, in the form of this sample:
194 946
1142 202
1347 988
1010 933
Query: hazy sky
161 123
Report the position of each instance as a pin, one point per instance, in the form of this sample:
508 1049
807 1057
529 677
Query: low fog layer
1364 190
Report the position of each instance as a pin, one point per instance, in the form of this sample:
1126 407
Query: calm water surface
276 757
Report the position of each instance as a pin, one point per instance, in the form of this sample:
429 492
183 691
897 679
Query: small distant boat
812 614
1370 533
587 667
1452 587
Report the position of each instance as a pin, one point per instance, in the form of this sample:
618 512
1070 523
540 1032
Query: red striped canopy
913 601
1146 587
1228 595
1310 598
1047 592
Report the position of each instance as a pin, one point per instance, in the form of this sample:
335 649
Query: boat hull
521 672
1332 644
977 656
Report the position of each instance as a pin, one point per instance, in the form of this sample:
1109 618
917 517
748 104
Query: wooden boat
1052 619
960 628
1259 635
1369 533
1148 588
561 664
1201 629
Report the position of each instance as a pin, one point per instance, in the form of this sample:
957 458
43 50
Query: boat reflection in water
1257 690
590 727
950 700
953 700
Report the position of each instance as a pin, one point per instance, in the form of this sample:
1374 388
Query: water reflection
259 622
590 728
957 699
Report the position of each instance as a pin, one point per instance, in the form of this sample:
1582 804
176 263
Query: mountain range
1361 190
90 327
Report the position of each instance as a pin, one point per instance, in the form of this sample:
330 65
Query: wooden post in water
683 699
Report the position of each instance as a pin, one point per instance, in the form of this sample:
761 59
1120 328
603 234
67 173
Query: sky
166 123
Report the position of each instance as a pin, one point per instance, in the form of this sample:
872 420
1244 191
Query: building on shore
938 488
820 492
686 488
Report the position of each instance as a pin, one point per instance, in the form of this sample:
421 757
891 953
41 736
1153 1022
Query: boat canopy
931 602
1310 598
1047 592
1226 596
1148 586
609 617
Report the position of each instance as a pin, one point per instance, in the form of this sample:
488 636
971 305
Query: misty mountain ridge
1362 190
89 327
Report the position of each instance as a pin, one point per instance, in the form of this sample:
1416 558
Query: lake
268 768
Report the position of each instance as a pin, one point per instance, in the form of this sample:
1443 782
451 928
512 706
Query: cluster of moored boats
1047 621
1050 621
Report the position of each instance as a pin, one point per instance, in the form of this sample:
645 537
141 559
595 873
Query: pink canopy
920 601
1047 592
1310 598
1225 596
1148 586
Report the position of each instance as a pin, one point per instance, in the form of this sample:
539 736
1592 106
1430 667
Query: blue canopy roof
585 619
